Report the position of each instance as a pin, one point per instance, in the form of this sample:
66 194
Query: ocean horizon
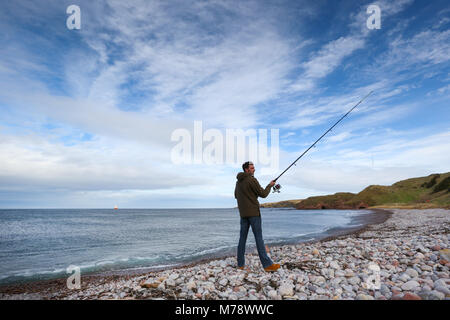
41 244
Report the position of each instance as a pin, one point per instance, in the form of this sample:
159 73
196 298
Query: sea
43 244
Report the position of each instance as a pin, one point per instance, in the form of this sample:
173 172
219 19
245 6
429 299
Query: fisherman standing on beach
247 192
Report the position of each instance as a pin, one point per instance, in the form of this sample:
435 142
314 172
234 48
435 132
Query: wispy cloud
326 60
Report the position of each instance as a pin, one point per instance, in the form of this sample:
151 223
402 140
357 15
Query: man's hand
272 183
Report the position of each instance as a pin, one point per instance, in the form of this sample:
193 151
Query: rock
436 248
325 272
421 249
286 289
404 277
354 280
419 256
319 280
223 282
174 276
209 286
426 288
412 273
150 283
445 254
397 297
362 296
272 294
404 261
410 285
321 291
191 285
396 290
436 295
315 252
334 265
170 282
349 273
339 273
411 296
426 268
302 296
439 282
366 254
336 281
311 287
330 273
300 279
348 288
162 286
424 294
384 289
442 289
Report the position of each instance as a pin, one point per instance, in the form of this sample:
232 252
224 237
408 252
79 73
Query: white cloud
339 137
330 56
179 61
444 89
100 164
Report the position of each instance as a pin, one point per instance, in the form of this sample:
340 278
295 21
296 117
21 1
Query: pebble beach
410 248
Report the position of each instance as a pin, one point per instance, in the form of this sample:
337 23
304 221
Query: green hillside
281 204
425 192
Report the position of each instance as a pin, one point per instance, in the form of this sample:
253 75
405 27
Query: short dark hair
246 165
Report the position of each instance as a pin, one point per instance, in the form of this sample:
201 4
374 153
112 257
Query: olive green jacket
247 192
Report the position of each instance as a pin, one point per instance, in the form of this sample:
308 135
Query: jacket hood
242 175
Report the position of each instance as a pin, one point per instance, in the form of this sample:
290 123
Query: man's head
248 167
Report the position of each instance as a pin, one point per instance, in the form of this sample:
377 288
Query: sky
87 115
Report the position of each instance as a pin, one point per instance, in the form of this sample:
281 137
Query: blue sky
87 115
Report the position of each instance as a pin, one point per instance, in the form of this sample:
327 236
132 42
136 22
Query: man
246 192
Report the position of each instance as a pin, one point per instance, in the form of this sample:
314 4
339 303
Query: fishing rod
277 187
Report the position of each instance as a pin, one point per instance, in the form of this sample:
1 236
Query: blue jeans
255 222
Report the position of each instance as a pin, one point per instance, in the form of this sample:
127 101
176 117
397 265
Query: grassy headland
281 204
432 191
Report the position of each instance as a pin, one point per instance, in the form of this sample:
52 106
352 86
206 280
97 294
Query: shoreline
97 278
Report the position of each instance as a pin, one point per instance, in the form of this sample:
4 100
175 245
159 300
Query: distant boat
116 207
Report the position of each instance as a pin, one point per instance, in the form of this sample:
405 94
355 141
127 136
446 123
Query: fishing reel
276 188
